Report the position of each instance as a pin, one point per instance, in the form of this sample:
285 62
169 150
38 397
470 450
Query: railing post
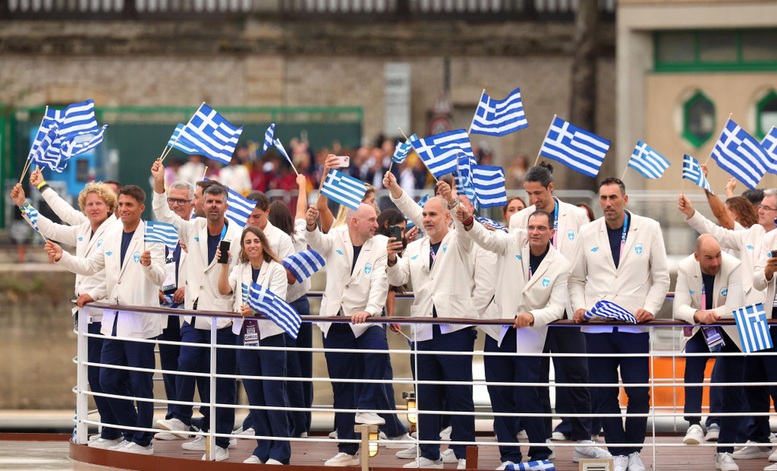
82 380
210 446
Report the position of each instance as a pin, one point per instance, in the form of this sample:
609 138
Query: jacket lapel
134 245
604 244
349 253
631 238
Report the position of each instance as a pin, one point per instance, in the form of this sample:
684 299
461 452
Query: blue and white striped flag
402 149
263 301
344 189
77 118
31 215
489 184
269 138
464 184
540 465
743 157
499 117
211 134
692 171
81 143
753 328
769 142
421 203
302 265
278 145
180 143
45 150
491 223
610 310
649 163
162 232
440 152
578 149
239 208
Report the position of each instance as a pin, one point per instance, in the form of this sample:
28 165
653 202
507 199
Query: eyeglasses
766 208
177 201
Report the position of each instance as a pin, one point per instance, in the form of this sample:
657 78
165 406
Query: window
715 50
766 114
698 119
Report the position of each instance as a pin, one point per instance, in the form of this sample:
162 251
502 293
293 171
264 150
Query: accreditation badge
251 332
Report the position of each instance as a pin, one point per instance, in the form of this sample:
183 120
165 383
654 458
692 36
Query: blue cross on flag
578 149
211 134
753 328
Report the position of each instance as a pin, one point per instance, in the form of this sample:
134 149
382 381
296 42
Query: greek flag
180 143
649 163
344 189
738 153
263 301
489 184
610 310
753 328
499 117
81 143
491 223
464 183
578 149
211 134
31 215
239 208
269 137
282 150
302 265
439 152
769 142
46 150
162 232
402 149
78 118
543 465
692 171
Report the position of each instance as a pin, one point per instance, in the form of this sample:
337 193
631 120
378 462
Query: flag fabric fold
180 143
344 189
753 328
578 149
610 310
499 117
440 152
266 303
649 163
464 183
402 149
269 138
211 134
161 232
304 264
490 222
741 155
31 215
769 143
239 208
279 145
489 184
692 171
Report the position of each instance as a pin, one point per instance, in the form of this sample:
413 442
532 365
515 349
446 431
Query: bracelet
42 184
469 221
43 187
453 205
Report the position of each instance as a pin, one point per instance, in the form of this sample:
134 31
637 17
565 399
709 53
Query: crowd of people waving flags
213 249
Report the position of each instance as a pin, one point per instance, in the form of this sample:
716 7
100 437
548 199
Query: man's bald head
708 254
362 223
436 218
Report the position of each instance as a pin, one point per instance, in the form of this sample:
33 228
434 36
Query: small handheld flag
649 163
263 301
177 142
610 310
499 117
239 208
161 232
753 328
282 150
269 138
578 149
440 152
344 189
491 223
304 264
402 149
489 183
743 157
692 171
769 142
211 134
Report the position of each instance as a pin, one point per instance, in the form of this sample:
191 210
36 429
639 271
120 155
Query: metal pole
211 443
82 380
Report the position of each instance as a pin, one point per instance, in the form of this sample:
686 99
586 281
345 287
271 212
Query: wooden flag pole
624 172
29 159
724 126
204 172
469 131
536 161
168 148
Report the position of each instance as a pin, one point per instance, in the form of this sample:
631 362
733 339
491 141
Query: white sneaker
422 462
198 444
409 453
445 434
253 459
333 435
713 431
249 432
620 463
586 450
771 467
552 455
369 418
396 442
175 426
462 464
448 456
221 454
273 461
773 456
504 465
104 444
165 436
343 459
132 447
694 435
119 445
635 462
558 437
752 450
725 462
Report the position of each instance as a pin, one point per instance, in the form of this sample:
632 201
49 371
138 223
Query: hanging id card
714 338
250 332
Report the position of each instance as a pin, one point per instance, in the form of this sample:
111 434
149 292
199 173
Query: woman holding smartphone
259 265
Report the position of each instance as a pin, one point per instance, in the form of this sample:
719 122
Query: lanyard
623 234
223 231
555 225
703 295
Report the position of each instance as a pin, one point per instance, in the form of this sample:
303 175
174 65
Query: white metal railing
657 413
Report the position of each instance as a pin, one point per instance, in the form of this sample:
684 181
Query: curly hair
103 191
745 211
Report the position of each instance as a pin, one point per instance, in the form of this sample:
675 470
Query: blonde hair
103 191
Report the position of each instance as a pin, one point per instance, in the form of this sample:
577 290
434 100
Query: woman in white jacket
259 265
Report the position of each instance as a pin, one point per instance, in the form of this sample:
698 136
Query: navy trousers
300 365
197 359
514 399
366 366
168 358
632 370
94 347
450 369
731 370
760 369
694 373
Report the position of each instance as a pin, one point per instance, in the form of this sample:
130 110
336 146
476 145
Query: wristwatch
453 205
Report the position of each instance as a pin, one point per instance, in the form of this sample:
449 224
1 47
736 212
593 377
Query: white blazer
728 293
297 290
62 208
363 290
748 243
641 280
202 277
446 287
272 276
281 245
86 243
570 220
129 283
544 295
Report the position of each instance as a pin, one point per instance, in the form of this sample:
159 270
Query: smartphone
343 161
395 232
224 248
